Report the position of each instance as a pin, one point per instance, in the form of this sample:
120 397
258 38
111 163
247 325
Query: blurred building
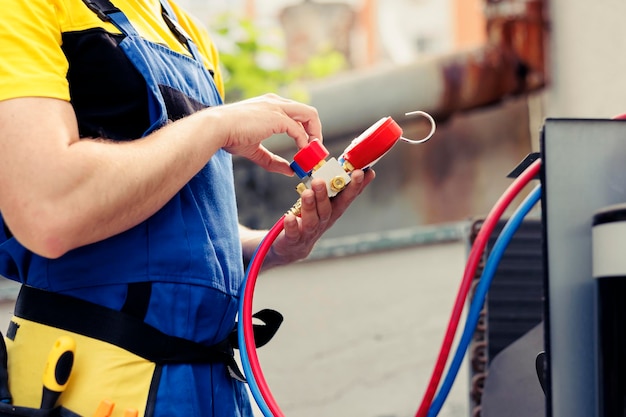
375 31
470 63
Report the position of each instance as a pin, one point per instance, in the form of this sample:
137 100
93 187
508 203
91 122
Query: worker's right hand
251 121
56 185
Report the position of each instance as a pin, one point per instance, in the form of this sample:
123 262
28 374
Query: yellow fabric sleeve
34 64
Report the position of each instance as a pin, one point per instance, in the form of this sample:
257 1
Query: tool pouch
101 370
118 357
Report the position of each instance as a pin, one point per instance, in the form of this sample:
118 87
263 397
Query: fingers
316 209
309 120
291 229
270 161
319 212
304 123
314 220
297 132
359 180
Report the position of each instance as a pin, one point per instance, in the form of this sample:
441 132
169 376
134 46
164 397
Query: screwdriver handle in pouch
57 371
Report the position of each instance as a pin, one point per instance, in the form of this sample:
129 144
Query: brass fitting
296 209
348 167
300 188
319 165
337 184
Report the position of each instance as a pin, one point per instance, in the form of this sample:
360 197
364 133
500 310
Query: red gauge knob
373 143
311 155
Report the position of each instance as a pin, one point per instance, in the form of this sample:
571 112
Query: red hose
473 261
253 272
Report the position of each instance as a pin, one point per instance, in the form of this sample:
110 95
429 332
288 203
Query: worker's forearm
146 172
89 190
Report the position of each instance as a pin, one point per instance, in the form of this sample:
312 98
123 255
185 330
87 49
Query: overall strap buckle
102 8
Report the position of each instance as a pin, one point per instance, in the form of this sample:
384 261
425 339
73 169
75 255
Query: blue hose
243 353
476 306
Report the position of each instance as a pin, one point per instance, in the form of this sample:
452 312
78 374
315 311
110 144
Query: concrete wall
587 44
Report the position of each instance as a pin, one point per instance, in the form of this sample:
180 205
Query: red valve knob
373 143
311 155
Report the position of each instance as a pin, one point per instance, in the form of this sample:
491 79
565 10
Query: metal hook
433 127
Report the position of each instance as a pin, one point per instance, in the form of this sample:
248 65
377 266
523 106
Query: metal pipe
440 86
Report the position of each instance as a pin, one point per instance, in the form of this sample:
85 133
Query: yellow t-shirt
32 32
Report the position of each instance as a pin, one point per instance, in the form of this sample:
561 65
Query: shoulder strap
108 12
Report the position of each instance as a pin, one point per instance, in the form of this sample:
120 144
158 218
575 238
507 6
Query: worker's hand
318 214
249 122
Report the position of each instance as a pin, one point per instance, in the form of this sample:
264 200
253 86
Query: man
117 204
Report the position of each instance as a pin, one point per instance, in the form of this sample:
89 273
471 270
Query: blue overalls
179 271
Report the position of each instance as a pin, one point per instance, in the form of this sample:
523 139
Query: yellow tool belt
117 356
101 371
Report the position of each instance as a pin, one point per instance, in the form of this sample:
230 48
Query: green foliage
252 64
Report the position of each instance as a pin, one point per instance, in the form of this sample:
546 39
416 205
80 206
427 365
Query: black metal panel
514 303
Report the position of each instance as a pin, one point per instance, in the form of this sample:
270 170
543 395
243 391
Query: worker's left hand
319 213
